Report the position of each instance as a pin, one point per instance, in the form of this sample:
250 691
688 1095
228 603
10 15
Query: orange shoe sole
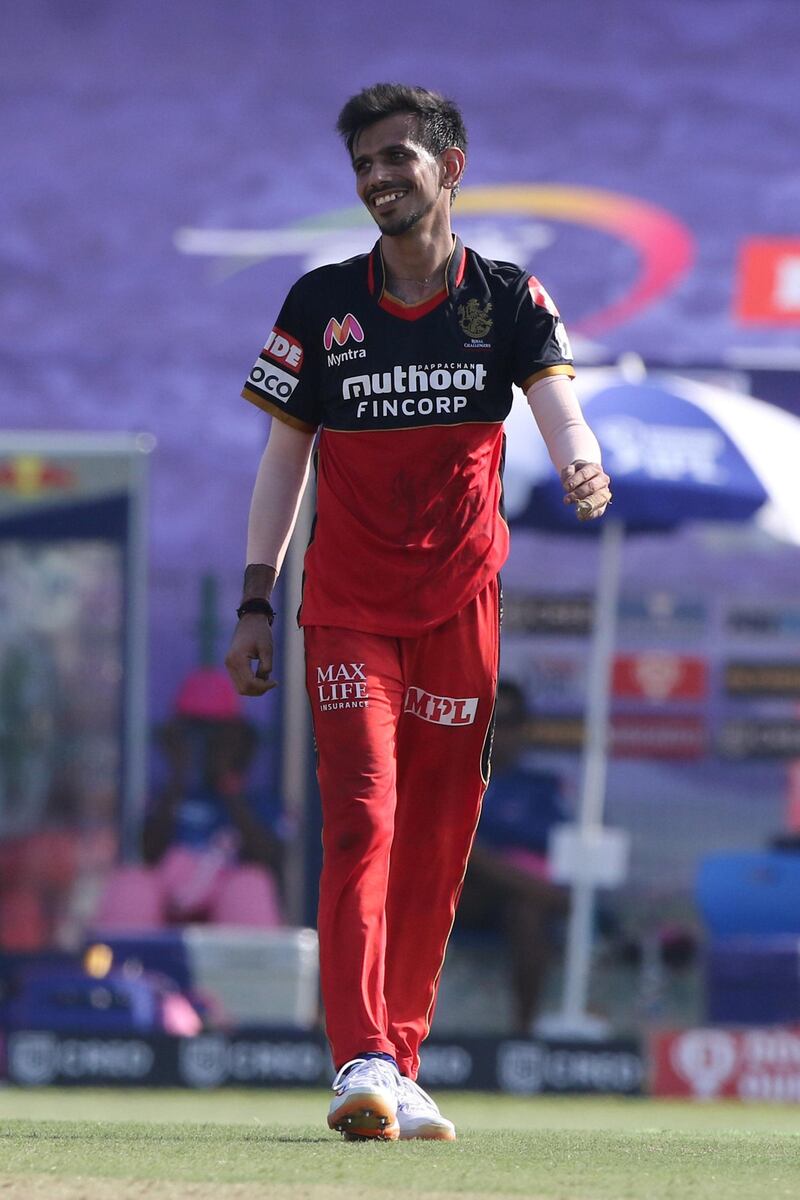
362 1119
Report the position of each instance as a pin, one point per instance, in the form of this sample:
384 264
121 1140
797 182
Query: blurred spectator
37 872
210 852
48 872
507 884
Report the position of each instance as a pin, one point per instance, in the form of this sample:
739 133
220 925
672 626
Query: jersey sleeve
283 381
541 345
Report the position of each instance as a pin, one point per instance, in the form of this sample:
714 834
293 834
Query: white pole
593 776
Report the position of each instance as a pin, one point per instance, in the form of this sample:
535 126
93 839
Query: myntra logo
440 710
349 328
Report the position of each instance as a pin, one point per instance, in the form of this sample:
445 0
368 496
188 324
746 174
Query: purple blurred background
124 124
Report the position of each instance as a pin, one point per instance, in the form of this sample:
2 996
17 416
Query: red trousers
402 727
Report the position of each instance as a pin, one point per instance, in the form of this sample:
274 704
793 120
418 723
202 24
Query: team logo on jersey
474 319
341 333
284 349
276 383
440 710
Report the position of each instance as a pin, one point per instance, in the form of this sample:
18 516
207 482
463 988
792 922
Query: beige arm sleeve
278 490
557 412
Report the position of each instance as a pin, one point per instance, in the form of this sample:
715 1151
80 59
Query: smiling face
398 180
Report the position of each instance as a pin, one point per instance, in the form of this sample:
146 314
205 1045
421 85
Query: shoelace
386 1073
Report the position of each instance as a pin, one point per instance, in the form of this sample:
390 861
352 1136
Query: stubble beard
401 225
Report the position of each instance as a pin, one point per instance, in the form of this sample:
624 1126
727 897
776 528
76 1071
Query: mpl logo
440 710
341 333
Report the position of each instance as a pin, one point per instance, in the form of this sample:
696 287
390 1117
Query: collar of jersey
376 280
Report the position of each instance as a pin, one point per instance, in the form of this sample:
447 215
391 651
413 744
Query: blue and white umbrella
676 451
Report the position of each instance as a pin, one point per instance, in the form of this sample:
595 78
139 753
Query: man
403 360
211 850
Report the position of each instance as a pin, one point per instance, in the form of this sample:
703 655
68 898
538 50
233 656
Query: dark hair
439 121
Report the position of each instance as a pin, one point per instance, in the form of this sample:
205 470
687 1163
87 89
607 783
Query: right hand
251 642
584 481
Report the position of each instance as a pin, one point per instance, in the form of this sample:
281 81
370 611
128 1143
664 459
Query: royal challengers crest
474 318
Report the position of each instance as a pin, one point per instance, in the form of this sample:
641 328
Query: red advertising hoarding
743 1064
660 676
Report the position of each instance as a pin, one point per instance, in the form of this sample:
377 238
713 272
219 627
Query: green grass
95 1145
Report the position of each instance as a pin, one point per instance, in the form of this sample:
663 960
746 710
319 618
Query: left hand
587 481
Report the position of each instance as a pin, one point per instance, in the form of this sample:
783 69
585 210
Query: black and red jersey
410 402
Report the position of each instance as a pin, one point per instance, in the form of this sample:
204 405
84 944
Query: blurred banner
275 1058
757 1064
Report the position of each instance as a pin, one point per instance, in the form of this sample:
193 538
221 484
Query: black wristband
256 606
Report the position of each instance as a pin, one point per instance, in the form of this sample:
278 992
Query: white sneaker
419 1117
365 1103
